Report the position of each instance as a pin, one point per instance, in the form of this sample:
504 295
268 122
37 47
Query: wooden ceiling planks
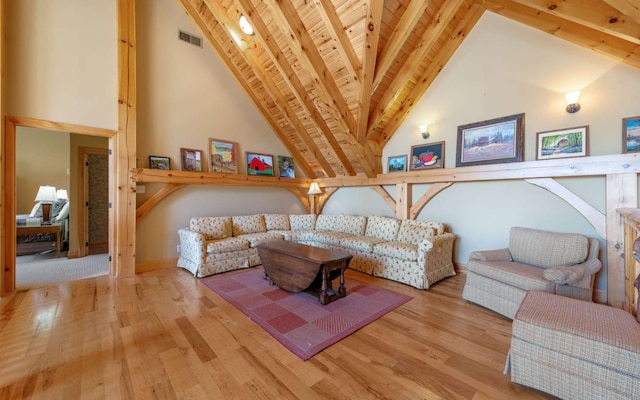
336 78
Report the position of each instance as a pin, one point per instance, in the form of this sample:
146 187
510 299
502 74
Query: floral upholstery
248 224
411 252
304 221
277 222
384 228
212 227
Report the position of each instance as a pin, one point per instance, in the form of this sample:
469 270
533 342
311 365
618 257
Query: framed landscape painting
397 164
259 164
156 162
631 135
498 140
191 159
222 156
570 142
427 156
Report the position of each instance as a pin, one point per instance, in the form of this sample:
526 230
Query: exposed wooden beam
412 14
596 15
165 191
408 70
630 8
204 178
581 35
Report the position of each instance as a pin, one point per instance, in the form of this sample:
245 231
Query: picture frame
285 167
498 140
563 143
192 159
631 134
223 156
426 156
259 164
397 163
158 162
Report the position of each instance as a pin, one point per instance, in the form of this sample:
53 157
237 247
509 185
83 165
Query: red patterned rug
298 320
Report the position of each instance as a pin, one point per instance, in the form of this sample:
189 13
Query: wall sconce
423 131
572 101
245 26
314 190
46 196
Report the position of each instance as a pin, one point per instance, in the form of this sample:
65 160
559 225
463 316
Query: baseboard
460 268
73 254
150 266
600 296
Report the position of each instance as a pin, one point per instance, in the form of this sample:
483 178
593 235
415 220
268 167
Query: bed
30 239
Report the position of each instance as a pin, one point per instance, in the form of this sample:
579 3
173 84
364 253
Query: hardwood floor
164 335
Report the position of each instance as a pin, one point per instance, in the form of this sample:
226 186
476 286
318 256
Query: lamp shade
572 97
61 194
46 194
314 188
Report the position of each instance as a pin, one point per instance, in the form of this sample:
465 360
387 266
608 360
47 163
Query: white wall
62 61
186 95
504 68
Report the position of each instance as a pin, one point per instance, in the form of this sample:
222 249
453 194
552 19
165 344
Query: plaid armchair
558 263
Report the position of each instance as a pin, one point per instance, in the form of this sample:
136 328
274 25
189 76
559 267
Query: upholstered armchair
558 263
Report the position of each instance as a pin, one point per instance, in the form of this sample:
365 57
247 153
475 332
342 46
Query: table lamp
46 196
314 190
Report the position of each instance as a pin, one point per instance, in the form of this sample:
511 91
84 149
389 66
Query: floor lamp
314 190
46 196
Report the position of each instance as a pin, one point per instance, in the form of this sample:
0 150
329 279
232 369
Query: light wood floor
164 335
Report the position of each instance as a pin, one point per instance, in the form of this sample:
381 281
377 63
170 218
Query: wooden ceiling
336 78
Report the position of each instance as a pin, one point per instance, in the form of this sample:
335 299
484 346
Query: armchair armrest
491 255
193 245
573 273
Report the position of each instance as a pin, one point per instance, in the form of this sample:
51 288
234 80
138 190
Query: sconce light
572 101
245 25
423 131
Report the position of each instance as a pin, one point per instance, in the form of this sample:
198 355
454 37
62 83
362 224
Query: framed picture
191 159
285 167
259 164
631 135
222 156
397 164
156 162
498 140
427 156
570 142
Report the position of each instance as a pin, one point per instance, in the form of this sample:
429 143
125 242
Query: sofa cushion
351 224
227 245
359 243
412 233
277 222
547 249
261 237
403 251
245 224
523 276
302 221
384 228
212 227
327 237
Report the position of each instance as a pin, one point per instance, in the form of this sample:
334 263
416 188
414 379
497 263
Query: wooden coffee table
296 267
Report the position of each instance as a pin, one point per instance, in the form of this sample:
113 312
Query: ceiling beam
630 8
596 15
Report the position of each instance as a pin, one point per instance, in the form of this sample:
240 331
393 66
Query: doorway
95 200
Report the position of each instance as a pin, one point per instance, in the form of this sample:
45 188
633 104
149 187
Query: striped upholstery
575 349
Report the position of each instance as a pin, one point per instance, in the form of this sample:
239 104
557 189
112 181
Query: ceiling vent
194 40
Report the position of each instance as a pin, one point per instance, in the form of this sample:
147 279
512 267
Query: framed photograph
631 135
223 156
570 142
259 164
427 156
397 164
498 140
156 162
285 167
191 159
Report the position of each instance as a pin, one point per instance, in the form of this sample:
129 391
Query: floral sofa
417 253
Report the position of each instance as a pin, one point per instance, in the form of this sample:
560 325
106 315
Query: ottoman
575 349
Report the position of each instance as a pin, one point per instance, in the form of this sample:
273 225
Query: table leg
324 299
342 290
58 242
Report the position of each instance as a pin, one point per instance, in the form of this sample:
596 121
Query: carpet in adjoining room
298 320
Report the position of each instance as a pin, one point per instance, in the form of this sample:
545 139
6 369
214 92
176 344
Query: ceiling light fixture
245 25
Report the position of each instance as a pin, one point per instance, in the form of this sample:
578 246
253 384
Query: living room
186 95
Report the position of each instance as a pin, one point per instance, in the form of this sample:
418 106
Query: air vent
194 40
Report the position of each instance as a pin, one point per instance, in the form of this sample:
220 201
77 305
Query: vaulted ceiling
336 78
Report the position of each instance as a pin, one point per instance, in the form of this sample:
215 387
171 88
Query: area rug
298 320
